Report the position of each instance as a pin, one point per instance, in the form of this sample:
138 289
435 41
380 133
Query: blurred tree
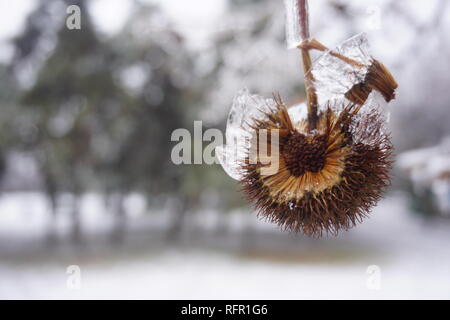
72 98
99 111
8 96
170 96
105 109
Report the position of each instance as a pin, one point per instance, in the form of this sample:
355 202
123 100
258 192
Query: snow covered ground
394 254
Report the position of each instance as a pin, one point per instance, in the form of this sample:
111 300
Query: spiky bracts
327 180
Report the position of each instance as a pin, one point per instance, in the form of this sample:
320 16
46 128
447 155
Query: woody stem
313 44
307 64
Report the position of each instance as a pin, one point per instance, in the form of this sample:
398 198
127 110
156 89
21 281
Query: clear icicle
245 109
228 159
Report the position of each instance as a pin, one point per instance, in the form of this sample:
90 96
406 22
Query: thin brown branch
307 64
313 44
304 19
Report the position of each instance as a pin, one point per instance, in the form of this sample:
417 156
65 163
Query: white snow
427 164
429 168
255 261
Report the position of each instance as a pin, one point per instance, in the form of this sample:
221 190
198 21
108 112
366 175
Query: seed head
328 179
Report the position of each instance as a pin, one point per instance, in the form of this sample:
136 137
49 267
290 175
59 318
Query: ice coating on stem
333 76
293 38
245 109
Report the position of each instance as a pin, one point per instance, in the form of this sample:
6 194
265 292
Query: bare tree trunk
222 223
76 221
249 233
53 207
176 227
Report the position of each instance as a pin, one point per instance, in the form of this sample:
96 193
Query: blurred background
86 177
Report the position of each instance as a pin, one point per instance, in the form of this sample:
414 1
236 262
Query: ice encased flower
246 108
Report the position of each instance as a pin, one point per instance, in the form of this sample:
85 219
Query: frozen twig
307 64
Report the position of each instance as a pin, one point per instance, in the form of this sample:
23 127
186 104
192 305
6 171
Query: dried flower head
327 180
350 71
379 78
333 158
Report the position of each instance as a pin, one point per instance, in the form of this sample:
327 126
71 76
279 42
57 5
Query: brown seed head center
302 153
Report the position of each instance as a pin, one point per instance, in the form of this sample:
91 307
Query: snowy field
394 254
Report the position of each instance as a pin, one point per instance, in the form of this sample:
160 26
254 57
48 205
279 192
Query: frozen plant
333 153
